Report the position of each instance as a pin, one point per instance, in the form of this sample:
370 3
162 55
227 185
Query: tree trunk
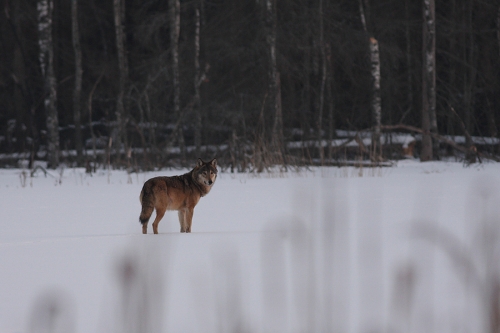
376 99
429 123
323 83
277 133
20 97
119 13
330 94
409 80
197 83
46 57
277 139
362 16
305 110
498 30
492 127
78 81
89 105
469 73
18 62
175 21
152 132
376 104
450 123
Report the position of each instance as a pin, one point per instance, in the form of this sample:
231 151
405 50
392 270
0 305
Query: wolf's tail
147 201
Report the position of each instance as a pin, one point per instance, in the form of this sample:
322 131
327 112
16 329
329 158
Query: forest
145 84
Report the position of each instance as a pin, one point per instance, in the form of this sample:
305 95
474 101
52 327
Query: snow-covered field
412 248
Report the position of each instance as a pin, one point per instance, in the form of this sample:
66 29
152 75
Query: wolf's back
147 201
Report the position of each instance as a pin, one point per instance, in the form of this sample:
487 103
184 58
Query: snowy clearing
412 248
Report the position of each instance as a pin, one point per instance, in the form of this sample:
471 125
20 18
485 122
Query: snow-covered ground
412 248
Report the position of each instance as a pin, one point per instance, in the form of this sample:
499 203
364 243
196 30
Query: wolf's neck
202 188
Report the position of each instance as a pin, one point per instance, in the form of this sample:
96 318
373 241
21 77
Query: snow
326 249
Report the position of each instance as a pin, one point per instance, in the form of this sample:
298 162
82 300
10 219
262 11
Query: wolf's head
205 173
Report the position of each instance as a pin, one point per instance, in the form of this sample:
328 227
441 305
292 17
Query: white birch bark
469 83
175 21
197 83
330 94
376 99
46 58
119 16
77 91
362 15
323 82
428 80
492 127
408 61
274 80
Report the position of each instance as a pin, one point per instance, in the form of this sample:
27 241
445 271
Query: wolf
180 193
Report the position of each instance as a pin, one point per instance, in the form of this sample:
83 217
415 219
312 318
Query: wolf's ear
213 163
199 163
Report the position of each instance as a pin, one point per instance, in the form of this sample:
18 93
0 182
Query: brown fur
180 193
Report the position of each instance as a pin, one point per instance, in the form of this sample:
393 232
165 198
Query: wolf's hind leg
182 220
159 215
144 217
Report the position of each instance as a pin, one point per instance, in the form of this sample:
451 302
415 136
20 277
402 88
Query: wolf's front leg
189 219
182 220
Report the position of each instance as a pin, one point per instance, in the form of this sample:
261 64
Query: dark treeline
162 82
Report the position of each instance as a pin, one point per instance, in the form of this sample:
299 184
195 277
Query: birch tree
77 91
46 58
175 22
493 129
330 94
277 139
470 72
20 96
323 83
119 16
408 61
376 100
429 122
197 82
